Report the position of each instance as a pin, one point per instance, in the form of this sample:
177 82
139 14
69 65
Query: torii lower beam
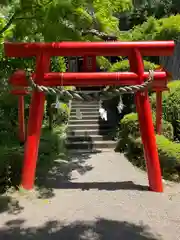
90 79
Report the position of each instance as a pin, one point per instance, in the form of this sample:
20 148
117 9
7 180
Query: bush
158 9
61 114
129 126
52 147
169 155
123 66
171 105
130 143
153 29
10 166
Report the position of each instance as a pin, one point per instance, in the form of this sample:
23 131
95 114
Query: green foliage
52 147
155 8
52 144
169 151
171 105
10 165
103 62
139 15
62 114
6 34
129 127
167 129
130 143
65 19
169 29
151 8
123 66
169 155
153 29
58 64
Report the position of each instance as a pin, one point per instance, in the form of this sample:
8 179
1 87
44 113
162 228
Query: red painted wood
93 60
34 126
20 92
146 127
153 48
89 79
85 63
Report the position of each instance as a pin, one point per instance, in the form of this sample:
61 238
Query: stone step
88 126
85 110
90 145
92 113
84 117
88 151
86 132
84 102
87 121
81 138
85 106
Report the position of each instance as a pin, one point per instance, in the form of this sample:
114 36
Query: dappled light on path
102 229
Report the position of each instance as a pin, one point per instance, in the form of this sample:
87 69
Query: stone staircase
90 133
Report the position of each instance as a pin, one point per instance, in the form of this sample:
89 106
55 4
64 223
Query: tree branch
102 35
25 18
8 24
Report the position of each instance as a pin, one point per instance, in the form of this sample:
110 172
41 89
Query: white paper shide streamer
78 113
102 112
120 106
57 104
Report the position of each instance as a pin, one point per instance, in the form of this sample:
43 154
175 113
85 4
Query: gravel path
103 201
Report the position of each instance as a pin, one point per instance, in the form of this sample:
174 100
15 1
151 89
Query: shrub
61 113
123 66
157 8
103 62
130 143
153 29
129 126
169 155
10 166
52 147
171 105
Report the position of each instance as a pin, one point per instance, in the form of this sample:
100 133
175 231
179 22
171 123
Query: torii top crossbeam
151 48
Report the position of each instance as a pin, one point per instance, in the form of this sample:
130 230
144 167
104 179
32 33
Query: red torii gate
134 50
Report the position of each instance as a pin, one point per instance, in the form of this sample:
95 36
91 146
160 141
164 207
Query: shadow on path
109 186
10 205
58 175
59 171
102 229
56 163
